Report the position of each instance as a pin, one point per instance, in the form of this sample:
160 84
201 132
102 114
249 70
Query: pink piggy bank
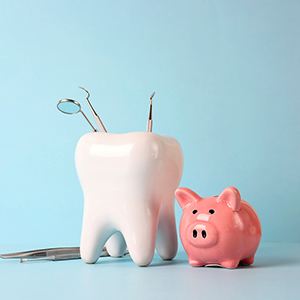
221 230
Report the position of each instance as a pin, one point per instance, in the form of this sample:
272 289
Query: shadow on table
268 257
271 262
155 263
261 262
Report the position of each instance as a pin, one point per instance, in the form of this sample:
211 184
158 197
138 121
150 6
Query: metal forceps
54 254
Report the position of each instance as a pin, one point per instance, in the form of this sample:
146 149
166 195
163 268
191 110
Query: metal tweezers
54 254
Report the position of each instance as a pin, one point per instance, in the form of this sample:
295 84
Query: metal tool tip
81 87
88 93
151 97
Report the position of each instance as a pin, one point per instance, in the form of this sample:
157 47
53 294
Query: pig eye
195 211
211 211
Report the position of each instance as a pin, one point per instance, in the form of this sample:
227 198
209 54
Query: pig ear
231 196
186 196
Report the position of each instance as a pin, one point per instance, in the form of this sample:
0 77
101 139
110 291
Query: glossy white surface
128 181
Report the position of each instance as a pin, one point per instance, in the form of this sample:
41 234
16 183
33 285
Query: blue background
226 75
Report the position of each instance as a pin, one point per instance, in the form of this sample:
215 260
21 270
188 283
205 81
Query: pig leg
229 264
247 261
195 263
166 243
116 245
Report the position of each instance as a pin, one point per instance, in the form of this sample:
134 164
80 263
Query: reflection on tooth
111 150
128 181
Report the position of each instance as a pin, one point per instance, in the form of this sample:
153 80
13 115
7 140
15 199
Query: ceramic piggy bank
220 230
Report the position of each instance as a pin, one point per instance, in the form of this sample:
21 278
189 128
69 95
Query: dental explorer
149 127
94 113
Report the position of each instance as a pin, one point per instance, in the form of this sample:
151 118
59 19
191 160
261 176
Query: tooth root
140 236
116 245
95 233
166 243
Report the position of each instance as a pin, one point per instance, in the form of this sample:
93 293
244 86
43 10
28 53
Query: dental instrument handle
149 129
97 118
88 120
100 123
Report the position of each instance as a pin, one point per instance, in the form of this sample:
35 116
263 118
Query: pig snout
202 234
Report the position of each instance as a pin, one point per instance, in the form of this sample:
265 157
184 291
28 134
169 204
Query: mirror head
68 106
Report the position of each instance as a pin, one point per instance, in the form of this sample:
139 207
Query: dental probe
149 127
94 113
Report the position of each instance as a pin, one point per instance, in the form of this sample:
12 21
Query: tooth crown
128 182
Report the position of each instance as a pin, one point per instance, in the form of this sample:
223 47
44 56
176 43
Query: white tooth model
128 182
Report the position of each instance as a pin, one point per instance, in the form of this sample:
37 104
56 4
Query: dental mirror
71 107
